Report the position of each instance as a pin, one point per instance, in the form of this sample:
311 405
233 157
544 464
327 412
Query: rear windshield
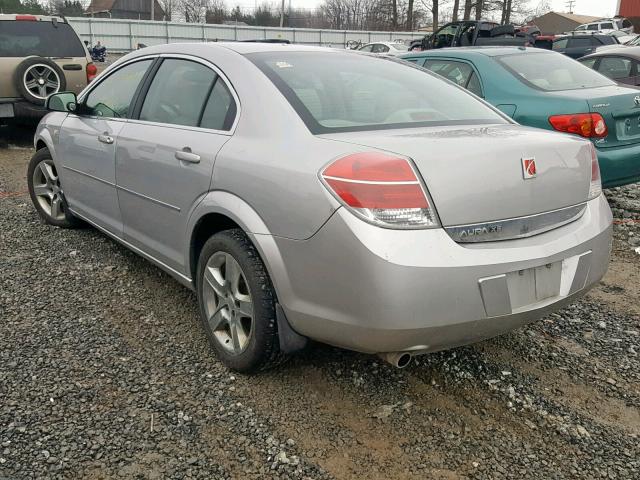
336 92
44 39
558 73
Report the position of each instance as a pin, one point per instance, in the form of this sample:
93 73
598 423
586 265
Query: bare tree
410 16
467 9
194 11
456 7
169 7
479 5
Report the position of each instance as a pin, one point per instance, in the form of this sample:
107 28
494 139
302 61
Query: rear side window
112 97
606 26
457 72
335 92
559 44
590 62
580 42
615 67
44 39
178 93
592 26
220 111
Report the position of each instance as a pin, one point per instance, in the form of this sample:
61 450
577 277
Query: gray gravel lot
105 373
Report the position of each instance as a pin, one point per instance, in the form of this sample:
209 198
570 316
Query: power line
570 4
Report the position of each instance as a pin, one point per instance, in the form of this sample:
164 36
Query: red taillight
588 125
26 18
92 71
381 188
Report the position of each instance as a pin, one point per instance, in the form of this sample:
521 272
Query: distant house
131 9
553 23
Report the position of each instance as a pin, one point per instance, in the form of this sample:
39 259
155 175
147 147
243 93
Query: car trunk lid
475 173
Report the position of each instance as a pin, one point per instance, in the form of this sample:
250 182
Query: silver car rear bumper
370 289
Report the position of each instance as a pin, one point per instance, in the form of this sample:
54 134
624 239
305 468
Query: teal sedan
545 89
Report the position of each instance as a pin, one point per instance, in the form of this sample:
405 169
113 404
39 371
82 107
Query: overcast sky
598 8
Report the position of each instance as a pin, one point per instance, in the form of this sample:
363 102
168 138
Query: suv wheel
37 78
237 303
46 192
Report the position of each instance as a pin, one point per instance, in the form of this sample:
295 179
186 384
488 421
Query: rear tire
46 192
237 303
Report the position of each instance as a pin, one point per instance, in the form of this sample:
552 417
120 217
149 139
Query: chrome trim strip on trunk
512 228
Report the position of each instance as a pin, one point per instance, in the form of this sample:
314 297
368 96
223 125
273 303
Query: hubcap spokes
228 303
42 81
46 186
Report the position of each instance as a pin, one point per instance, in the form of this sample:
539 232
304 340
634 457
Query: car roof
40 18
497 51
633 52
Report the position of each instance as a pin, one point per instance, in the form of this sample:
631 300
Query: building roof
100 6
572 16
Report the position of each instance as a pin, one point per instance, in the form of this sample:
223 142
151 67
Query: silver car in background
313 193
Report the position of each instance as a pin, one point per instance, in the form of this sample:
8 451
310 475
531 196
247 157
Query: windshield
334 92
44 39
559 72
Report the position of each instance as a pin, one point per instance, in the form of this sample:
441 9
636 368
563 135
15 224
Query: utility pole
153 5
570 4
282 15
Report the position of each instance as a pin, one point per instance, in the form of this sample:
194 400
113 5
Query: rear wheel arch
206 226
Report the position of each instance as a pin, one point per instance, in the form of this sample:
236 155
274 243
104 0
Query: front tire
46 192
237 303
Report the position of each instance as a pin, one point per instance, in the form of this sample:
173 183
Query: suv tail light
588 125
92 71
595 188
382 189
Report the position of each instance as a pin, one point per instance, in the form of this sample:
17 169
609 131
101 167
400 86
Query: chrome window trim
518 227
182 56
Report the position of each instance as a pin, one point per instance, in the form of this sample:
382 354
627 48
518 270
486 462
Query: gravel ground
105 373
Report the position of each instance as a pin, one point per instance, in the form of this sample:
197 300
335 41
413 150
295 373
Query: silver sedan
307 193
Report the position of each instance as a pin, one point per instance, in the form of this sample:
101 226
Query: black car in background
576 46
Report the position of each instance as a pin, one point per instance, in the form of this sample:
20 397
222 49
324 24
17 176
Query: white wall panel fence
123 35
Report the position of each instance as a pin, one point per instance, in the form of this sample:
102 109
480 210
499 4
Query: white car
385 48
607 25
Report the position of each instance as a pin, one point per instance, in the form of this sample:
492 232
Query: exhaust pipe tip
397 359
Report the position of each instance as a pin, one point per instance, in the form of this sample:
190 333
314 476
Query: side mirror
62 102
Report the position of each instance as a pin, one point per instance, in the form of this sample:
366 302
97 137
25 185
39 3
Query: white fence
123 35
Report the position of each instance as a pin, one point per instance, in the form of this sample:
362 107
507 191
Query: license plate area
628 128
533 285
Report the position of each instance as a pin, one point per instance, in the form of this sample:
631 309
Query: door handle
105 139
186 155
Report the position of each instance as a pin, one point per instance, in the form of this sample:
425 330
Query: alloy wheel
41 80
46 186
228 303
